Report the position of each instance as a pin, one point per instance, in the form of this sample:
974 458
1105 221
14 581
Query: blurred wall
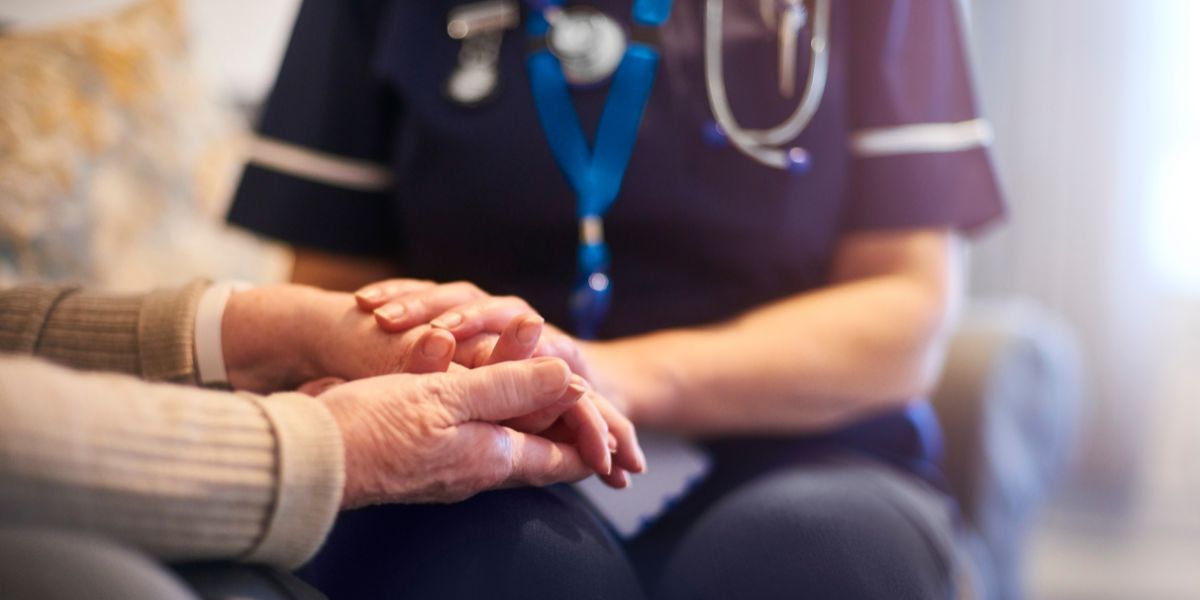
1088 98
239 43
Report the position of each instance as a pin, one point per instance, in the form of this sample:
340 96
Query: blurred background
1094 104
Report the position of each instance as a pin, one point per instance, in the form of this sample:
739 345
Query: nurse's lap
847 529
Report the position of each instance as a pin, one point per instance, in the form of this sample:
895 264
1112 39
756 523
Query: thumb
507 390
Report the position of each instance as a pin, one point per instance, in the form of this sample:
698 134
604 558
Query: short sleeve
318 172
918 145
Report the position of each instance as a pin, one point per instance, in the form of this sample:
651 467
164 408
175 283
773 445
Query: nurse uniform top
361 152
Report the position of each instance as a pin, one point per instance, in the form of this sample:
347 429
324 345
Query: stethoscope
769 146
573 47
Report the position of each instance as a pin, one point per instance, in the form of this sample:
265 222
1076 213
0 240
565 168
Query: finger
539 421
504 391
317 387
476 350
421 307
433 353
537 461
491 314
629 454
618 479
379 293
518 340
591 435
558 344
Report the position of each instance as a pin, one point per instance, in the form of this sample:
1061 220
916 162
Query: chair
1008 401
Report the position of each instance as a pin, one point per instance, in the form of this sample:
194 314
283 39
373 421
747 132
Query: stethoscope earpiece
714 135
795 160
799 161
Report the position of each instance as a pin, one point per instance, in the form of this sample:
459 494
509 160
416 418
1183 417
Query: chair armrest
1007 402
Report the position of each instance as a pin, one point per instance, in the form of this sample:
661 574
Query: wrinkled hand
494 329
296 337
433 438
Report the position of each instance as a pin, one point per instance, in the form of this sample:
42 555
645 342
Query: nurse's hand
287 337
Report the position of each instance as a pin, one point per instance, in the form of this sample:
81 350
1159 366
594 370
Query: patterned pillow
116 164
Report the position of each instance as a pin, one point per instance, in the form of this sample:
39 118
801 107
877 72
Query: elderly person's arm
273 338
190 474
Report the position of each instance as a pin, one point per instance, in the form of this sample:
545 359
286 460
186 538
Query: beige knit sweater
179 472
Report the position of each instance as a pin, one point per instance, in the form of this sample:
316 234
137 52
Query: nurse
792 320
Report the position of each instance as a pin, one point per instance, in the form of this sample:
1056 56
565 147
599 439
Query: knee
514 543
37 563
824 533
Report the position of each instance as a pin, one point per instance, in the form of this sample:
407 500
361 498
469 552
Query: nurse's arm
871 341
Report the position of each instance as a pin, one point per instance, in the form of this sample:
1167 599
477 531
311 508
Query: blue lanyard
594 174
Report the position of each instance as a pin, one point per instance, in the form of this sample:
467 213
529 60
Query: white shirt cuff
210 358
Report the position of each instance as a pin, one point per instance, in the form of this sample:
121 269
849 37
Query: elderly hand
472 315
297 337
280 337
433 438
481 324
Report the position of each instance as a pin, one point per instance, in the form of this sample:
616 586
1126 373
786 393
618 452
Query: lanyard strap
595 174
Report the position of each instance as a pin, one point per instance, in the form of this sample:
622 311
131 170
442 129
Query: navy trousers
839 527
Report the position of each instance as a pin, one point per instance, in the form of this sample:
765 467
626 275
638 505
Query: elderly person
95 464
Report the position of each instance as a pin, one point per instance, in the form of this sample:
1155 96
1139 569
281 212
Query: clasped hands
441 390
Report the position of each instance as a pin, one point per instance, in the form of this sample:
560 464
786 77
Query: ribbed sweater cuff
149 335
166 331
310 478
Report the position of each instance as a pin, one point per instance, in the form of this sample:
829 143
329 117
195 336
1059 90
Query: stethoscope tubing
764 145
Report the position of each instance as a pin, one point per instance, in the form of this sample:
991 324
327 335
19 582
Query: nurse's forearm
807 363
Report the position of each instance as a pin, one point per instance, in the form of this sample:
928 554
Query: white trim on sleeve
210 311
921 138
317 166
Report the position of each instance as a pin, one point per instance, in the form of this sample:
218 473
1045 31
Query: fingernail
578 390
612 443
390 312
548 373
641 461
435 346
447 321
578 384
529 331
370 295
608 466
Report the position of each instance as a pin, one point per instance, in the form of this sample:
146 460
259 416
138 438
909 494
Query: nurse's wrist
636 380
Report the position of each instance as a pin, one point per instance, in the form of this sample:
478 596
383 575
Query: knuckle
465 287
496 462
440 392
512 300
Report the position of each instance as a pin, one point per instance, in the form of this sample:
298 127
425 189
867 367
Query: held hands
481 324
288 336
434 438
